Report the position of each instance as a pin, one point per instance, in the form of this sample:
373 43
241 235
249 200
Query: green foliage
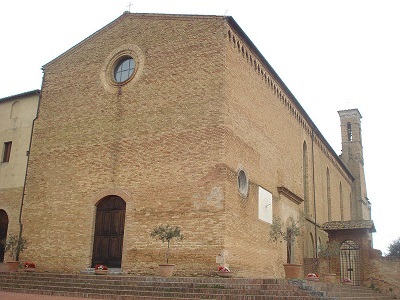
289 233
280 231
14 245
331 249
167 233
394 248
372 286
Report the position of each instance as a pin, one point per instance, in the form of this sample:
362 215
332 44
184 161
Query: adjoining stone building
17 114
179 119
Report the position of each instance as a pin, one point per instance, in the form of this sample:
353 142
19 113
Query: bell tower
352 157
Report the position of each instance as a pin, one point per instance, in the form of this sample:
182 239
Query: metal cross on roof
129 6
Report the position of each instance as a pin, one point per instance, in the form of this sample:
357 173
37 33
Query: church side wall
157 143
265 133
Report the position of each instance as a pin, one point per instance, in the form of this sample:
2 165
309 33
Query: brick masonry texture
170 144
11 203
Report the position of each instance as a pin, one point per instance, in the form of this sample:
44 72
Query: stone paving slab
21 296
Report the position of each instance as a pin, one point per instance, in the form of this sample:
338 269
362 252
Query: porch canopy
352 224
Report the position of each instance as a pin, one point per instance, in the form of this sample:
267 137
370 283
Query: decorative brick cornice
245 47
290 195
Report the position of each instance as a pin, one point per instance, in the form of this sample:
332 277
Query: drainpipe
26 172
315 205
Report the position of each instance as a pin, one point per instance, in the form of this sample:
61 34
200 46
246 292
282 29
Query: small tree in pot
329 251
287 233
167 233
14 245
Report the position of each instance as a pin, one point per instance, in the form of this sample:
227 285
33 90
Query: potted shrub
287 233
167 233
332 249
14 245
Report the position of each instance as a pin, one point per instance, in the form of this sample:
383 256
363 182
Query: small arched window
243 183
349 132
305 179
341 201
15 108
328 194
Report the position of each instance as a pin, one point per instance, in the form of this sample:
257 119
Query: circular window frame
119 62
107 73
243 183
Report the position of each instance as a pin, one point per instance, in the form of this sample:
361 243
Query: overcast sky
332 55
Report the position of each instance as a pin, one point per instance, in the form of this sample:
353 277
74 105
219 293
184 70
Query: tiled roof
353 224
30 93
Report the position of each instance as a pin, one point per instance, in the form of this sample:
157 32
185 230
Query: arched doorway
109 232
3 231
350 262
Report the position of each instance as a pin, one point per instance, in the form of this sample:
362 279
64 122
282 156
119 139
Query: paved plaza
20 296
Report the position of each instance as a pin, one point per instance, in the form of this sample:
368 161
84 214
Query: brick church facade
177 119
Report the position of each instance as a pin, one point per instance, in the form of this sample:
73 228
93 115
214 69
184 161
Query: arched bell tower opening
109 232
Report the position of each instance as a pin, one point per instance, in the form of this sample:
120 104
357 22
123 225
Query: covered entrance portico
355 240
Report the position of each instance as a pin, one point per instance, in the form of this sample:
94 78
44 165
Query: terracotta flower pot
101 272
293 270
224 274
166 270
312 279
329 277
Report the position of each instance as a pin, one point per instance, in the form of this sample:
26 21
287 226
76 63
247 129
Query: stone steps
157 288
345 292
123 287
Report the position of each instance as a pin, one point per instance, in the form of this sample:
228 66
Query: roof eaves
117 20
349 225
21 95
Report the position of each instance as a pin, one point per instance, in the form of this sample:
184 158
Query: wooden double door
109 232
